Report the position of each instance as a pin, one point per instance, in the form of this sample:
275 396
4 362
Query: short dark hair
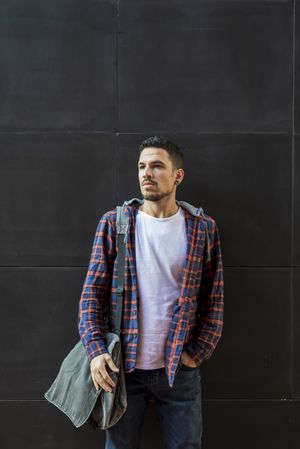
173 150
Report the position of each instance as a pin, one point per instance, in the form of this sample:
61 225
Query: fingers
187 360
106 380
100 382
97 386
111 364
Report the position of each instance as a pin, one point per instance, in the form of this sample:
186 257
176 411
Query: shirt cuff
95 348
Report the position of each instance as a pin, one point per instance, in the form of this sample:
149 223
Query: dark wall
82 84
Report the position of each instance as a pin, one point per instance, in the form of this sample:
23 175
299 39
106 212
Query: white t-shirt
160 256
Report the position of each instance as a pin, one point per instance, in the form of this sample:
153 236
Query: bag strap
122 229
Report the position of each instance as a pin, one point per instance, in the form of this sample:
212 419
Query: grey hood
196 211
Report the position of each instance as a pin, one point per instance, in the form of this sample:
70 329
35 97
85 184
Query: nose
147 172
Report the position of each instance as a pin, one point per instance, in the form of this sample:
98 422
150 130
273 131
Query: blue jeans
179 409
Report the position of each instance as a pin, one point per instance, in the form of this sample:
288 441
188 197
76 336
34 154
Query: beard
152 196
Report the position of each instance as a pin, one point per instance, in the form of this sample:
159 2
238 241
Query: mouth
148 184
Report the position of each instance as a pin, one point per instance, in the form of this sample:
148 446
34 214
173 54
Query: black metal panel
247 424
243 181
253 357
58 65
39 325
205 66
40 425
296 192
297 69
295 424
296 331
53 190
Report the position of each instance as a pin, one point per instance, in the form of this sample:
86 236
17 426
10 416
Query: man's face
155 167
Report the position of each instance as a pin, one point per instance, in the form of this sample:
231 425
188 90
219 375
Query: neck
159 209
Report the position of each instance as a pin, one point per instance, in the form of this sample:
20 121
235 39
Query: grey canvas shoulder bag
73 391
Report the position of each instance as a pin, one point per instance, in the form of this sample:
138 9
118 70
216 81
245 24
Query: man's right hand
99 373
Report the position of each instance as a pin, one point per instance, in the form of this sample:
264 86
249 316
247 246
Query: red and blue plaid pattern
197 320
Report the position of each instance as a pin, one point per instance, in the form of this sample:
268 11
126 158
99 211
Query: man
173 303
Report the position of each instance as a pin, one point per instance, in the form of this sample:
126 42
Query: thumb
111 364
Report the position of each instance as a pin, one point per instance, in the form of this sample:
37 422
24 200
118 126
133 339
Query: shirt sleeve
96 290
210 301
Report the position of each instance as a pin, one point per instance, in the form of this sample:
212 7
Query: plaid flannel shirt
197 319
